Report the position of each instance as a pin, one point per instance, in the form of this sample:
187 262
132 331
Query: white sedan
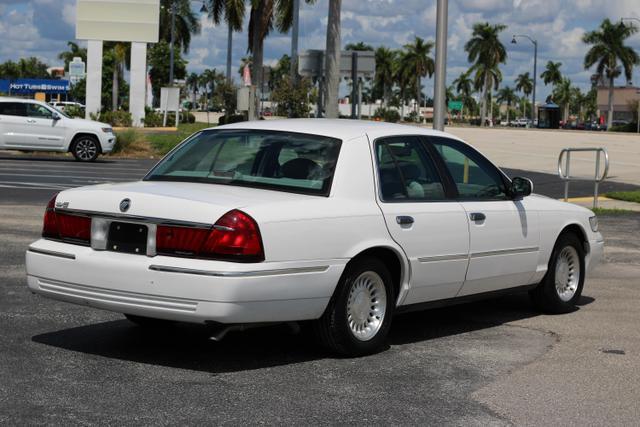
341 223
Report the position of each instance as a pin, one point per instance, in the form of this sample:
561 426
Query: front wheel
561 287
358 317
86 149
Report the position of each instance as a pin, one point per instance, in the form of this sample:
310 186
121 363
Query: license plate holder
128 237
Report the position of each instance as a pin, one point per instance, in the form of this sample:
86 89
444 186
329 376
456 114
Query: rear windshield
282 161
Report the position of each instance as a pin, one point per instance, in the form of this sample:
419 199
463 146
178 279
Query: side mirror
55 116
521 187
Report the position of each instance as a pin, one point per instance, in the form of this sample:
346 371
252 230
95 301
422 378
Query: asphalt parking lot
489 363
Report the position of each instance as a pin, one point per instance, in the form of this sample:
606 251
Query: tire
348 326
148 322
561 287
86 148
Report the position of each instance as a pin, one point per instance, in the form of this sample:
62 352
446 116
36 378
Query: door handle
477 216
404 220
31 120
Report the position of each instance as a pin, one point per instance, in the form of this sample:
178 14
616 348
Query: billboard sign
311 63
118 20
32 86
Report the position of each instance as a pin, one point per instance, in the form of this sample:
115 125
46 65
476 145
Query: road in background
538 150
31 179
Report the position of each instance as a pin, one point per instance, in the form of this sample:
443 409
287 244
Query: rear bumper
182 289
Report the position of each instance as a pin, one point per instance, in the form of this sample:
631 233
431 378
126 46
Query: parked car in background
26 124
62 105
339 223
521 122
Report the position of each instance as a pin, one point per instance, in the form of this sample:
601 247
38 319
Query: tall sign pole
439 107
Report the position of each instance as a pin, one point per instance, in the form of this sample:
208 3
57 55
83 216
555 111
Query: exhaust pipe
294 328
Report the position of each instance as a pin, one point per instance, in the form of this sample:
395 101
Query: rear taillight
50 225
235 236
62 226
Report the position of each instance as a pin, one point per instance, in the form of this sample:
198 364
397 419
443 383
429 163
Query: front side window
406 172
475 177
38 111
13 109
263 159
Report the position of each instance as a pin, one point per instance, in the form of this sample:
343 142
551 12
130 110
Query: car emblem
125 204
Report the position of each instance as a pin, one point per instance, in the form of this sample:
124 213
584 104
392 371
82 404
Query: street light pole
439 94
535 71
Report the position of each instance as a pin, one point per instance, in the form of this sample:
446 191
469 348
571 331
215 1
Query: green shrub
388 115
74 111
119 118
125 139
155 119
234 118
629 127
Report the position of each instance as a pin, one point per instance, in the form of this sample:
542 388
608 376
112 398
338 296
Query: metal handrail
566 177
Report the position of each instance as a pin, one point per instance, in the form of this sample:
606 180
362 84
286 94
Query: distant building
624 102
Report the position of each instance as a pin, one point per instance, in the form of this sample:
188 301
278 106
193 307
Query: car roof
343 129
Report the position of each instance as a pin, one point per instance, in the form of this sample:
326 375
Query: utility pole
439 101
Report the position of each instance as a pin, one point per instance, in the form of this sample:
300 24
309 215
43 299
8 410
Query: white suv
26 124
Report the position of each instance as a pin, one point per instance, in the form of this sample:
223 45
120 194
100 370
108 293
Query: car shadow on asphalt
189 347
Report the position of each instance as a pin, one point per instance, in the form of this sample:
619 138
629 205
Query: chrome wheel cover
366 305
86 149
567 274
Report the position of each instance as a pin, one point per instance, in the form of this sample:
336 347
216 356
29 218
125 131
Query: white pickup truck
26 124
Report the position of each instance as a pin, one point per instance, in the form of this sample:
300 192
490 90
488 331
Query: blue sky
41 28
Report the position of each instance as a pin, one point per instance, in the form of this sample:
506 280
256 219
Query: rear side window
406 172
13 109
283 161
475 177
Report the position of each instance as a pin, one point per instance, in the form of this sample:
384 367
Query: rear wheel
86 148
561 287
358 317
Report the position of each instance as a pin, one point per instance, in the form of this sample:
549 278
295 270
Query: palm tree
360 46
486 52
464 87
607 51
578 99
187 23
524 84
265 14
508 96
418 60
384 77
404 76
552 73
233 13
208 80
74 51
486 80
332 59
120 53
562 96
193 83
